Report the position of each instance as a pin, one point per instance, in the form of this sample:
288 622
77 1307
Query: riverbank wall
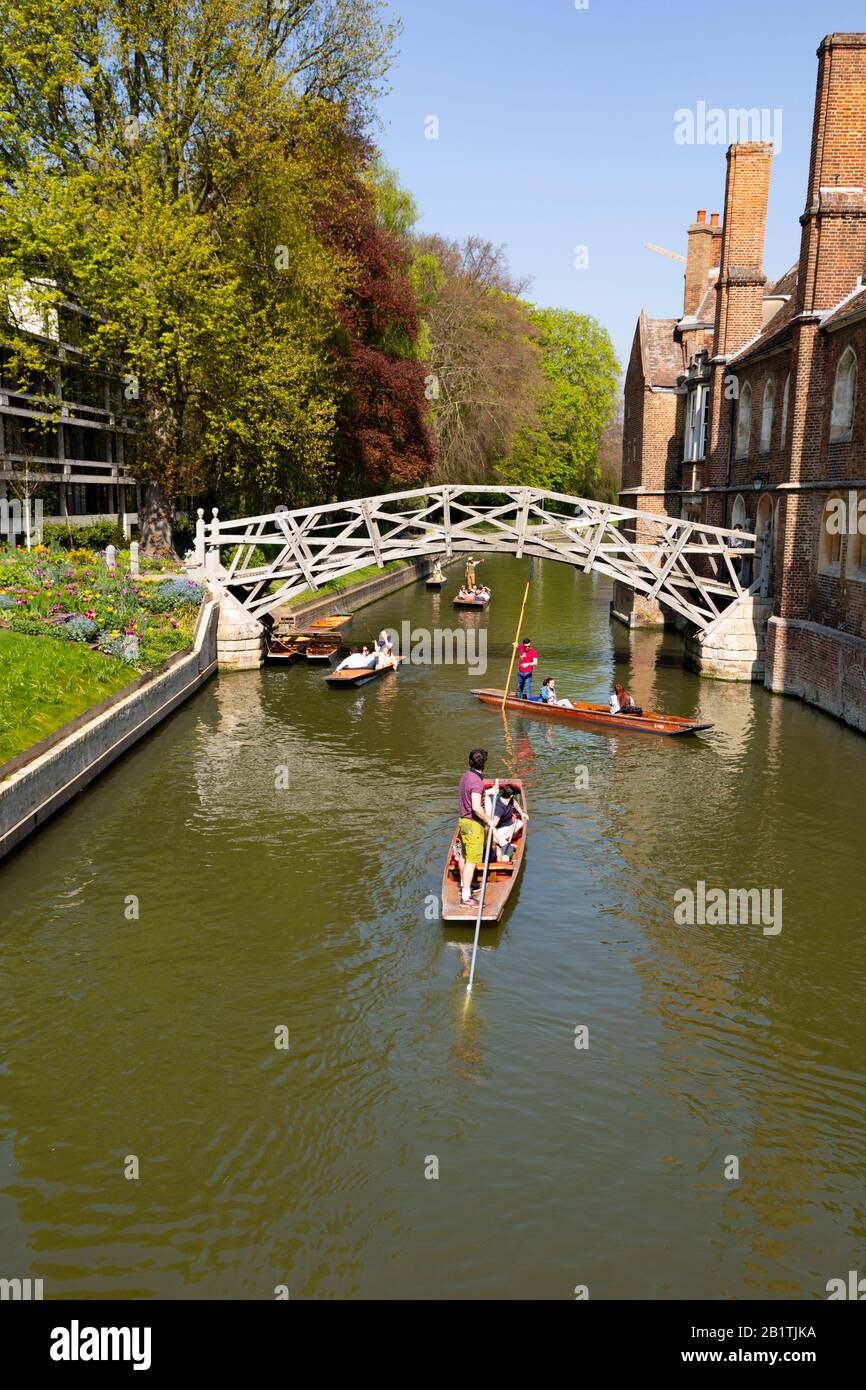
39 781
358 595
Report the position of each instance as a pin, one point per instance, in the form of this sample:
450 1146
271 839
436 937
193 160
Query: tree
384 436
484 371
129 135
560 451
610 456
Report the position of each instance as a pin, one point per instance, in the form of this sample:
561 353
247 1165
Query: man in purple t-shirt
473 818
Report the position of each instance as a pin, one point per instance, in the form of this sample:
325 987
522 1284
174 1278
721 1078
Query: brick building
750 408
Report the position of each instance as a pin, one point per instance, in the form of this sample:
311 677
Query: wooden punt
501 878
668 725
333 623
323 649
283 647
471 602
354 677
436 583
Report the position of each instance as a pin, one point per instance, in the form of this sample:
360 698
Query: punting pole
483 883
517 637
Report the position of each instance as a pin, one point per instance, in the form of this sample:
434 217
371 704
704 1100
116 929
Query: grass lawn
345 582
45 682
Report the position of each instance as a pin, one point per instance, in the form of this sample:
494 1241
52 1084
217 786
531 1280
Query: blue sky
556 130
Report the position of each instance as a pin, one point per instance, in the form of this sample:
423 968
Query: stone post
240 638
111 558
133 559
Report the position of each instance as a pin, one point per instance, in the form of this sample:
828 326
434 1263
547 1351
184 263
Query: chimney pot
702 214
714 219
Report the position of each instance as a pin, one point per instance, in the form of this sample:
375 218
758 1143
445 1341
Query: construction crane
661 251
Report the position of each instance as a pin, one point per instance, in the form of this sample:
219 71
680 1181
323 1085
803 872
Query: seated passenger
357 661
385 650
510 820
622 703
549 696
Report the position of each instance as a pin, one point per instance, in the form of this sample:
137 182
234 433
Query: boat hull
500 882
471 602
352 678
663 725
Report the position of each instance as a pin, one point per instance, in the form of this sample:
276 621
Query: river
311 908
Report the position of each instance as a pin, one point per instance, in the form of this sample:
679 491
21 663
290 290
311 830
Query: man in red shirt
527 660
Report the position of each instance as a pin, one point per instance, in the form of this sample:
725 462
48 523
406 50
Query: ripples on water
262 907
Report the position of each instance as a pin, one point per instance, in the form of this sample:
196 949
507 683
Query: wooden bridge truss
687 566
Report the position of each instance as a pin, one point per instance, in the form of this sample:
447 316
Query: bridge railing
692 567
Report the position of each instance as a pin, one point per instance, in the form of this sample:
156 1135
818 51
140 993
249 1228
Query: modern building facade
68 439
750 407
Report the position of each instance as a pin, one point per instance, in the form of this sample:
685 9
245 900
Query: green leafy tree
135 139
560 452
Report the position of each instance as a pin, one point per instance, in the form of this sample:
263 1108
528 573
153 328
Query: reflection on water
307 905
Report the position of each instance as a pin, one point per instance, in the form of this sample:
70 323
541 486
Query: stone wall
820 665
37 783
734 650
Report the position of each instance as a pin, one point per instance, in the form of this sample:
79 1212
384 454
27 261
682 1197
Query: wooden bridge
687 566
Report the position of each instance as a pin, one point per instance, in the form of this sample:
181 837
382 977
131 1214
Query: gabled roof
706 310
849 306
778 328
661 352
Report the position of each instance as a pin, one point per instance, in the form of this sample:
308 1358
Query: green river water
312 908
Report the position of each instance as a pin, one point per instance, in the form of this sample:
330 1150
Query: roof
777 329
851 304
661 352
786 284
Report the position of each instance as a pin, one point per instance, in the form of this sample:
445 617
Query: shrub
94 536
81 556
34 627
79 628
172 593
227 554
126 646
7 601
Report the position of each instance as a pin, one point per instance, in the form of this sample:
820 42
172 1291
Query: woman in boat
385 650
510 818
436 572
549 696
622 703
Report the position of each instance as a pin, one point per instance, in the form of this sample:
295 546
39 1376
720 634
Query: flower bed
72 596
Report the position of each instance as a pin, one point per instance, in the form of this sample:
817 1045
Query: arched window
744 421
767 415
830 538
783 433
764 515
844 396
738 512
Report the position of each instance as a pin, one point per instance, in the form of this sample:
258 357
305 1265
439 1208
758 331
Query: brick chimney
739 302
717 241
833 246
699 258
740 296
